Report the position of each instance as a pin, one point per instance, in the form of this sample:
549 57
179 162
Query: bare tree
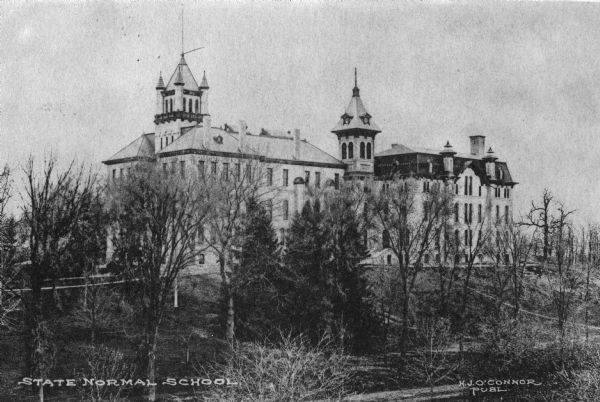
8 302
591 262
156 216
431 360
53 204
409 220
563 278
229 193
541 218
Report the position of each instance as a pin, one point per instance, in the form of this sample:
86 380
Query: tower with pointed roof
356 133
180 103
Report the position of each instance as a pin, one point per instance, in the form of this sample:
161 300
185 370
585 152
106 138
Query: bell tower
356 133
181 103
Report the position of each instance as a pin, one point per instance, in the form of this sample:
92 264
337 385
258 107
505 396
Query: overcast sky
79 78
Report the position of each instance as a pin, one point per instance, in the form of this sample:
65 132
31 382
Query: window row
365 151
504 191
189 105
164 141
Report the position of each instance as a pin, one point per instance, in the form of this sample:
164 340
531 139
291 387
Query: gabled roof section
189 82
140 148
226 142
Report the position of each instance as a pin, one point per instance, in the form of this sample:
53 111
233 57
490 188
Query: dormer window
346 119
366 119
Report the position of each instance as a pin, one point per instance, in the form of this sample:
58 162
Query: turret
204 95
448 158
160 87
490 164
356 133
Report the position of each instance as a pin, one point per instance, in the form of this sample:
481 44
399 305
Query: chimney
477 145
296 143
243 130
206 120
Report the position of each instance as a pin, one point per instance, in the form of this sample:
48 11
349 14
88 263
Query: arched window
190 106
343 151
385 239
350 151
184 104
389 259
166 106
196 105
362 150
201 259
171 105
368 150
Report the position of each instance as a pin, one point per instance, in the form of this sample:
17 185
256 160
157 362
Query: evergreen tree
259 281
326 248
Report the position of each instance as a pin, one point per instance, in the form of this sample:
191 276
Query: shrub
292 371
104 363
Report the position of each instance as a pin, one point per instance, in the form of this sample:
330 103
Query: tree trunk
152 364
227 294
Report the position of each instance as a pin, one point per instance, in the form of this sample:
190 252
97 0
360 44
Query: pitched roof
399 149
411 161
141 147
189 82
356 116
204 83
227 141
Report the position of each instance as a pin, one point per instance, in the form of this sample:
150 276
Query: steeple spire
355 90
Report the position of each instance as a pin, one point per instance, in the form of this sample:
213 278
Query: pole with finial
355 91
355 80
181 29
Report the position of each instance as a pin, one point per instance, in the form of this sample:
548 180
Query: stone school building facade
184 138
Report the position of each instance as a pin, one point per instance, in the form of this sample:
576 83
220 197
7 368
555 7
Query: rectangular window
225 171
497 214
306 177
466 185
286 175
182 168
173 166
248 171
470 213
506 216
336 181
318 179
213 168
480 191
479 213
201 168
238 171
508 193
456 189
466 213
270 208
470 186
114 173
161 142
456 212
164 168
286 212
269 176
120 172
128 171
